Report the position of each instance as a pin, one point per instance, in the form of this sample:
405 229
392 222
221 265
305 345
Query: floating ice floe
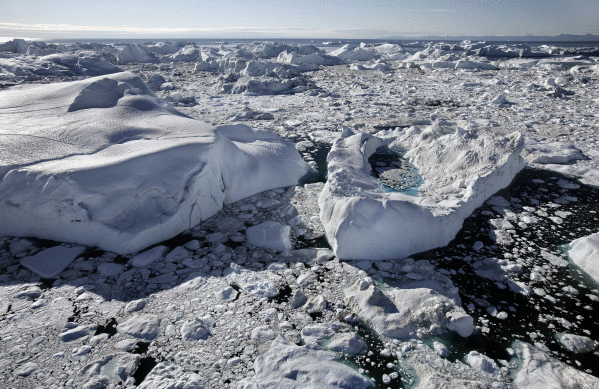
584 252
420 306
286 365
547 152
103 162
576 344
536 369
270 235
460 170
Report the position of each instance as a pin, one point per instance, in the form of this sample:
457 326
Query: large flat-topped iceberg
460 170
103 162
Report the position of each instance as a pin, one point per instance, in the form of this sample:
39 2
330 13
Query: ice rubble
94 156
460 170
584 252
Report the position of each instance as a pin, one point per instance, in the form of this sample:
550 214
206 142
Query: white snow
217 317
584 252
96 154
460 171
87 63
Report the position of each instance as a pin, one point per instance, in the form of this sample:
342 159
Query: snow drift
103 162
460 171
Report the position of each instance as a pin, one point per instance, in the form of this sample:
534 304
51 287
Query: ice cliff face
460 171
103 162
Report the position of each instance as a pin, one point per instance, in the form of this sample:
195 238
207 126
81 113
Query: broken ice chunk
51 262
270 235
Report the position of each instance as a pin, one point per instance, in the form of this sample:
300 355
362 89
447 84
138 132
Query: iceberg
103 162
136 53
584 252
460 170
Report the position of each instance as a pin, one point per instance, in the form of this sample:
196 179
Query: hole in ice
108 328
394 173
141 348
318 153
145 367
284 295
372 361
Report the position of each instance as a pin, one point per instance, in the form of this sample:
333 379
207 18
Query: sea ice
140 326
547 152
417 306
51 262
270 235
576 344
536 369
286 365
96 154
353 53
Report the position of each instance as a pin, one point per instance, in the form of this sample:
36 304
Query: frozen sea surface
499 305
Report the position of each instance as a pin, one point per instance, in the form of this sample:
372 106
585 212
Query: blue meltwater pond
394 173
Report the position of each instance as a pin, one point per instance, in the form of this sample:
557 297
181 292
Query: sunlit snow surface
103 162
207 308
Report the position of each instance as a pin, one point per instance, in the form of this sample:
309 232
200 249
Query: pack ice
104 162
460 170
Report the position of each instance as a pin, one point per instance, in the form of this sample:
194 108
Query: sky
295 18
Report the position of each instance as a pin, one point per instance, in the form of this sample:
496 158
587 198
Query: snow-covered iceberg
84 63
104 162
136 53
584 252
460 170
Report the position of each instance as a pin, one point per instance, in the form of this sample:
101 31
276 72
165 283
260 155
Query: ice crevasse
460 170
103 162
